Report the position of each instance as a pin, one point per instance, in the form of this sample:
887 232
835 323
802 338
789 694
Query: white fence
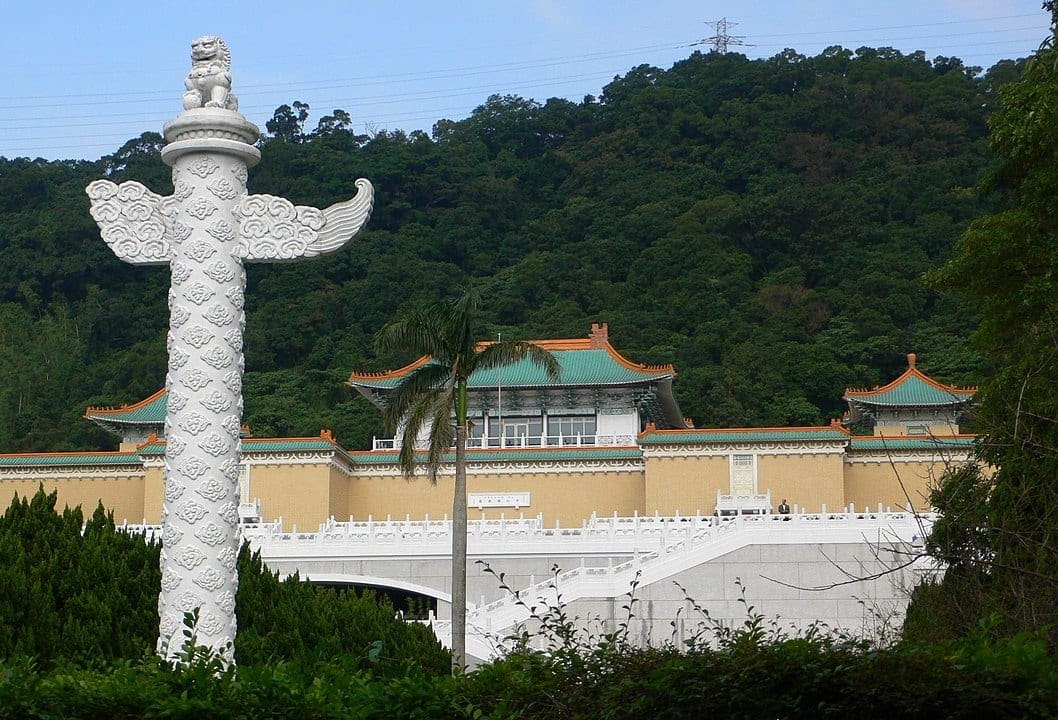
520 536
659 548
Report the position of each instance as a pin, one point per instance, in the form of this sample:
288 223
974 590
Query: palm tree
434 397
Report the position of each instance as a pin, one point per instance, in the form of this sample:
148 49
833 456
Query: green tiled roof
69 459
577 368
513 455
742 435
917 443
912 389
146 412
286 445
264 445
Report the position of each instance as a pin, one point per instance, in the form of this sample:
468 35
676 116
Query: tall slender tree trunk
459 540
459 555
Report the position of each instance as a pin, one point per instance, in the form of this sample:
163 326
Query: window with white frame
568 429
516 430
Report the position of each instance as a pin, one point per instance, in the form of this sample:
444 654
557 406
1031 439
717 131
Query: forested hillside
762 224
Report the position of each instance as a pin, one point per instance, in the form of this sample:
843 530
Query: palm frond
463 312
420 332
505 353
442 435
419 382
432 407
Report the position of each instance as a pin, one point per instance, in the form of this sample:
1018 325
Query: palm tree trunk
459 554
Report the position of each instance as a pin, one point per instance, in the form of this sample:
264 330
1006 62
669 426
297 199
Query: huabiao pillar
205 231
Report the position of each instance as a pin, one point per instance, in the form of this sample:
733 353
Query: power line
503 79
721 38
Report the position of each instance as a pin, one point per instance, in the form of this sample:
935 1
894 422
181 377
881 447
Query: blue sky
81 78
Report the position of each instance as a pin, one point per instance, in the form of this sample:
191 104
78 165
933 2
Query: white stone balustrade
489 623
659 548
521 535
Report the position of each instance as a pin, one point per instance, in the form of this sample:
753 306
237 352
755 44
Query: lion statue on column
209 82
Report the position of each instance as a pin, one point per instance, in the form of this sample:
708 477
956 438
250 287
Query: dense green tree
999 533
288 123
720 208
431 401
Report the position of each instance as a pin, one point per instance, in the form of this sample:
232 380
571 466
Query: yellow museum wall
562 496
687 485
306 495
891 483
121 495
153 494
338 494
379 496
690 484
807 481
929 429
300 494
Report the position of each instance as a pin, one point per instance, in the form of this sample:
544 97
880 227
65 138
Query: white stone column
205 231
209 150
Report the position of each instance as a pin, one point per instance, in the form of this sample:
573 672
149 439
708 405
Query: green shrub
293 620
89 598
70 597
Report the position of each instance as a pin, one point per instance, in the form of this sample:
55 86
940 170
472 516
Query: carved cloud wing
135 222
272 228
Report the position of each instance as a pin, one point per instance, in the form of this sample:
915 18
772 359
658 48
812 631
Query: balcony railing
533 441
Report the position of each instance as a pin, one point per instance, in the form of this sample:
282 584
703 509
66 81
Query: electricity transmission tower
721 38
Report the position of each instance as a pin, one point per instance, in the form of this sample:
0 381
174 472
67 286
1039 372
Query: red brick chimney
599 336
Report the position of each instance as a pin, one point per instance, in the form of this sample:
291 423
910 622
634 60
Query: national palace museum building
607 438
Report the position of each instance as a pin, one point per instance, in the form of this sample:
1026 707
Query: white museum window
516 430
568 428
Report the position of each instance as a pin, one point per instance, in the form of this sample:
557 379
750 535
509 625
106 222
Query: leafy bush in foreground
88 598
752 677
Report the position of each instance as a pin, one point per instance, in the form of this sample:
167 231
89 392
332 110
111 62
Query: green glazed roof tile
264 445
69 459
729 435
149 411
595 366
912 389
905 443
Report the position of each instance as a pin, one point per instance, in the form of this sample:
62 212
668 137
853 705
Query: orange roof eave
910 372
934 436
72 453
388 374
586 344
638 367
96 411
549 345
